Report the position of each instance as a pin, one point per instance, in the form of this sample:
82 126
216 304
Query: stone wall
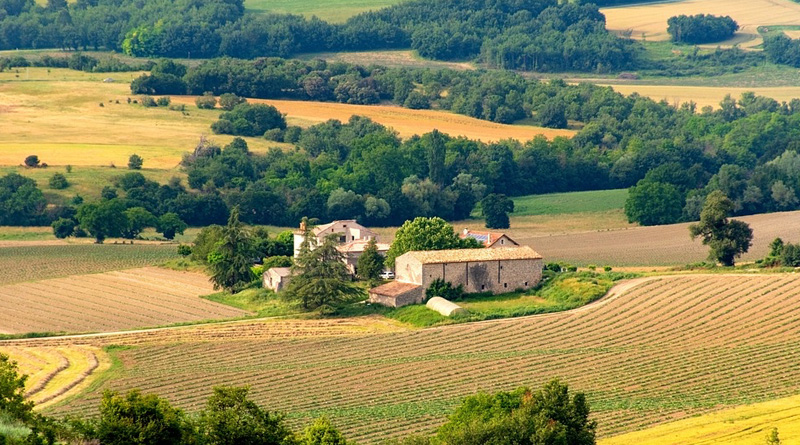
485 276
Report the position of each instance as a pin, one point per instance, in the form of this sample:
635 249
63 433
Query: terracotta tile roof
470 255
393 289
359 245
486 238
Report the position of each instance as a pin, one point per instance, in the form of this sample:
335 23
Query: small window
501 267
526 284
342 239
483 286
505 285
502 241
344 225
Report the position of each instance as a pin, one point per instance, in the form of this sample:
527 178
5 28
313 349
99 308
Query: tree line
673 156
541 35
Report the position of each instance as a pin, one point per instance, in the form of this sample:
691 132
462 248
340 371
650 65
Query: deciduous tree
370 263
727 239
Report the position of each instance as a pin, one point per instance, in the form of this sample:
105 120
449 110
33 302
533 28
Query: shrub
63 227
69 169
163 101
207 101
275 134
148 101
222 126
177 107
184 250
32 161
292 134
135 162
58 181
228 101
444 289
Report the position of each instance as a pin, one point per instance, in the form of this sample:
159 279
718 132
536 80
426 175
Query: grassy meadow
335 11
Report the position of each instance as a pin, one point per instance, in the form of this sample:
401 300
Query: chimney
302 226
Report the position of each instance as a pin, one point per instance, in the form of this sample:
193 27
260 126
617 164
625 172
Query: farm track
655 349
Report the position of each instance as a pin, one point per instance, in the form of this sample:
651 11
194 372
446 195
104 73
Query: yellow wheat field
649 21
405 121
744 425
704 96
56 114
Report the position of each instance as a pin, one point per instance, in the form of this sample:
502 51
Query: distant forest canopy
748 149
540 35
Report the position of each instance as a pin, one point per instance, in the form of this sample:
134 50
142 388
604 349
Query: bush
251 120
58 181
148 101
135 162
444 289
228 101
32 161
184 250
222 126
292 134
275 134
63 227
163 101
207 101
277 261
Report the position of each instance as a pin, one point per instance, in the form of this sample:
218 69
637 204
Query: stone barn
497 270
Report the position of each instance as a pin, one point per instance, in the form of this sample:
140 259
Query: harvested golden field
656 349
703 95
57 371
656 245
743 425
405 121
649 21
391 58
110 301
56 114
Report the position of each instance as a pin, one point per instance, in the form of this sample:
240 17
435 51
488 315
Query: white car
387 275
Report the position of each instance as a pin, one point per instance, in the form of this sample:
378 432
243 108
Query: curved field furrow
666 348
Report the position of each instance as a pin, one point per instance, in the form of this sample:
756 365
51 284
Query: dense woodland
541 35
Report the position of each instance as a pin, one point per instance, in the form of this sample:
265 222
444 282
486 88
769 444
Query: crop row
671 346
109 301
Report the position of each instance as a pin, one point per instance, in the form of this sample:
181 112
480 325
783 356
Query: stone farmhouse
496 270
489 239
353 239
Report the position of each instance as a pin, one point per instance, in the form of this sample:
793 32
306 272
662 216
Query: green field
86 181
330 11
573 202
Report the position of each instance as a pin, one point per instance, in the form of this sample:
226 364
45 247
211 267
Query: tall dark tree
103 219
436 153
495 208
727 239
320 278
231 260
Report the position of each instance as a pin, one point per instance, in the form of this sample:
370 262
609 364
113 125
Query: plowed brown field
657 349
109 302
